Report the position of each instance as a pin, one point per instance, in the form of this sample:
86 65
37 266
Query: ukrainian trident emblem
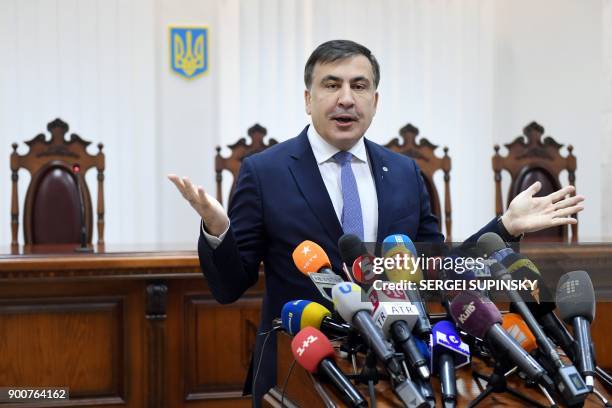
189 51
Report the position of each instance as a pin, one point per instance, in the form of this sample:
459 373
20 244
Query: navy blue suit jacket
280 201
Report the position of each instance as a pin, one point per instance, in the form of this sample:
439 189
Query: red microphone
314 352
363 270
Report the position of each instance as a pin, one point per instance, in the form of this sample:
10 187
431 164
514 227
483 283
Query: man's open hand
527 213
214 216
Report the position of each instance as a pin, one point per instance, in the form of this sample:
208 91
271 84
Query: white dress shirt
331 172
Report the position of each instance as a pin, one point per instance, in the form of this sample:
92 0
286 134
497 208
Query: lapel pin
385 168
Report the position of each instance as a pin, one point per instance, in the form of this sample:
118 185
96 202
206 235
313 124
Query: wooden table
123 326
137 326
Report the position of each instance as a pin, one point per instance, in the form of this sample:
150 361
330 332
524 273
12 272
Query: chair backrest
52 207
532 159
423 153
239 151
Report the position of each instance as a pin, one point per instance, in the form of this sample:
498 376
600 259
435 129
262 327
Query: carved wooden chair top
239 151
52 207
423 153
532 158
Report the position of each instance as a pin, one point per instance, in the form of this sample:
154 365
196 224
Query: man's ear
375 101
307 98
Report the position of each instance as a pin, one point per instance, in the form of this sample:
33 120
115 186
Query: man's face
342 100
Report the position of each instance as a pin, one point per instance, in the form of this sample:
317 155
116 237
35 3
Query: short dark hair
335 50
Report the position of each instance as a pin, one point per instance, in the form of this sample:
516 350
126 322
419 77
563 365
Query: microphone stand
605 378
369 376
83 247
601 397
496 383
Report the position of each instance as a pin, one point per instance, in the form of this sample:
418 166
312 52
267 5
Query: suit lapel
381 174
308 178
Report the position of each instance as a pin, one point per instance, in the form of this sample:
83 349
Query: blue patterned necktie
352 219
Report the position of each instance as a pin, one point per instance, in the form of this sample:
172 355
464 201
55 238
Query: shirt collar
323 151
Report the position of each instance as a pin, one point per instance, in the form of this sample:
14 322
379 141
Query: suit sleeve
493 226
428 223
233 266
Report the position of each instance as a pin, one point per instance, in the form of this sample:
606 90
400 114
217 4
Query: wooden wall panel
87 336
209 360
600 333
218 340
69 338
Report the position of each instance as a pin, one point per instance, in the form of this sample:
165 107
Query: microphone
310 259
363 271
540 301
349 305
576 300
413 274
396 320
569 383
299 314
314 352
516 327
399 240
448 353
350 247
347 301
478 317
76 170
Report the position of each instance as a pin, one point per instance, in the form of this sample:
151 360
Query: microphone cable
274 328
286 382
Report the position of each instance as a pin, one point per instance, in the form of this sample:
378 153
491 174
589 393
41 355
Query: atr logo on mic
467 312
570 286
309 340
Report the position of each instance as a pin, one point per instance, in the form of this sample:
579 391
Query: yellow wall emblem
189 50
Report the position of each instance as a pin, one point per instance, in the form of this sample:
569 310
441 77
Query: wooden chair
52 208
532 159
240 150
423 153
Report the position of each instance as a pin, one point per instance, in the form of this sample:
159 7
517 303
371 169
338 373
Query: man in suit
327 181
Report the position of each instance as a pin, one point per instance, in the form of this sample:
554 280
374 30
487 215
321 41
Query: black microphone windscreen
351 247
576 296
490 242
474 313
541 300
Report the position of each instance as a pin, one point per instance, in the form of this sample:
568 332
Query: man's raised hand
527 213
214 216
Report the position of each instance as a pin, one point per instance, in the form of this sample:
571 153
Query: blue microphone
299 314
448 352
390 243
399 240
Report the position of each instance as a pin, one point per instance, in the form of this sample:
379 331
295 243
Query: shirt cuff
505 234
213 241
